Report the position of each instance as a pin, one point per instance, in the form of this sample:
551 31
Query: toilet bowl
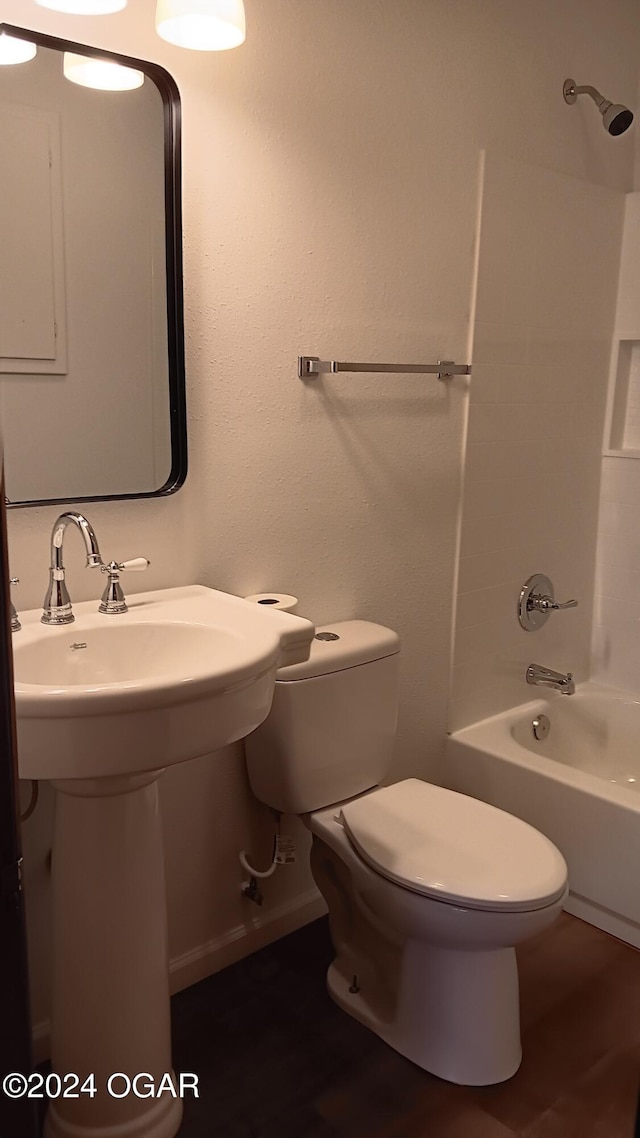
428 890
449 1001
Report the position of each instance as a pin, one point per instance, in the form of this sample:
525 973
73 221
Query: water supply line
242 857
283 852
250 889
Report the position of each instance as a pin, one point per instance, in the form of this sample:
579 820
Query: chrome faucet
57 603
15 619
547 678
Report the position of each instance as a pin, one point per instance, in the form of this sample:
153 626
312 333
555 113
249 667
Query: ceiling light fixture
102 74
13 50
84 7
202 25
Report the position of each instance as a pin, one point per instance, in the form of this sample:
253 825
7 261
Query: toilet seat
454 848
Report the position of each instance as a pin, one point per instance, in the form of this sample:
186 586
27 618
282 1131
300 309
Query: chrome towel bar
311 366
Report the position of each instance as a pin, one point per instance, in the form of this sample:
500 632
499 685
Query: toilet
428 890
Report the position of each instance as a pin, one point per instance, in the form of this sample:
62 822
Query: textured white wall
547 279
330 202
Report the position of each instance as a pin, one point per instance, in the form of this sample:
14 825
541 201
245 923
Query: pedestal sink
103 706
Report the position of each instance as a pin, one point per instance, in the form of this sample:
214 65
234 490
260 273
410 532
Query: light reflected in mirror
101 74
14 50
91 359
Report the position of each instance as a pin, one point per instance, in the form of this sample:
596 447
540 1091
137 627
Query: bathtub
580 786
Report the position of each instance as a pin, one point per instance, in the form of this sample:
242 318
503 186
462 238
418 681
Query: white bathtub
580 786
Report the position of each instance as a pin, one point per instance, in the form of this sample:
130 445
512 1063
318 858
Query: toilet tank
332 725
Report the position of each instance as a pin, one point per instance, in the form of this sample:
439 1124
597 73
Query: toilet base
456 1013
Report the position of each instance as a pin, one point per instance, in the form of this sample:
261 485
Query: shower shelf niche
622 432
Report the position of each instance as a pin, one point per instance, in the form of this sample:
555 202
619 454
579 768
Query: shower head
615 116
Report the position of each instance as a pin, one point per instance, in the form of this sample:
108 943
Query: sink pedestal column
110 958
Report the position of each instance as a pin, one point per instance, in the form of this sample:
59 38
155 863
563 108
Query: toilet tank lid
344 644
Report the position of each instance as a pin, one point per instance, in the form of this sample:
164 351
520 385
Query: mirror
91 319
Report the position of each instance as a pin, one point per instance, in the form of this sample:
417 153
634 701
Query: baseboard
612 923
202 961
256 933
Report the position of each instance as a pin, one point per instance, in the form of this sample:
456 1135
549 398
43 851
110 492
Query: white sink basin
182 673
120 660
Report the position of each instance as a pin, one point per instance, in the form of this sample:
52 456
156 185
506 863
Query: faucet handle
537 602
113 600
547 604
136 564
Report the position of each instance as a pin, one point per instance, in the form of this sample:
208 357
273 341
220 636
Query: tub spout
546 678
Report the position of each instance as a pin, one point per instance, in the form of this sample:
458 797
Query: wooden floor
277 1059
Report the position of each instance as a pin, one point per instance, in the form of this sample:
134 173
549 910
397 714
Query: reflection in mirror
91 342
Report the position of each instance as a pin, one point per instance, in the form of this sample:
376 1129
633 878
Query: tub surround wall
545 298
330 206
616 634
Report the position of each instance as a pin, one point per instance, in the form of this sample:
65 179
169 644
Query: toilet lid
454 848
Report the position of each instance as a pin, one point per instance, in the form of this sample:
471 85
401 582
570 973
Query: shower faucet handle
537 602
547 604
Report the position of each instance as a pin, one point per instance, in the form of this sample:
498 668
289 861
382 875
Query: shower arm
601 103
598 99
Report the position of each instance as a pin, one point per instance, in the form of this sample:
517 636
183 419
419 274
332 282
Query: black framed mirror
92 384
